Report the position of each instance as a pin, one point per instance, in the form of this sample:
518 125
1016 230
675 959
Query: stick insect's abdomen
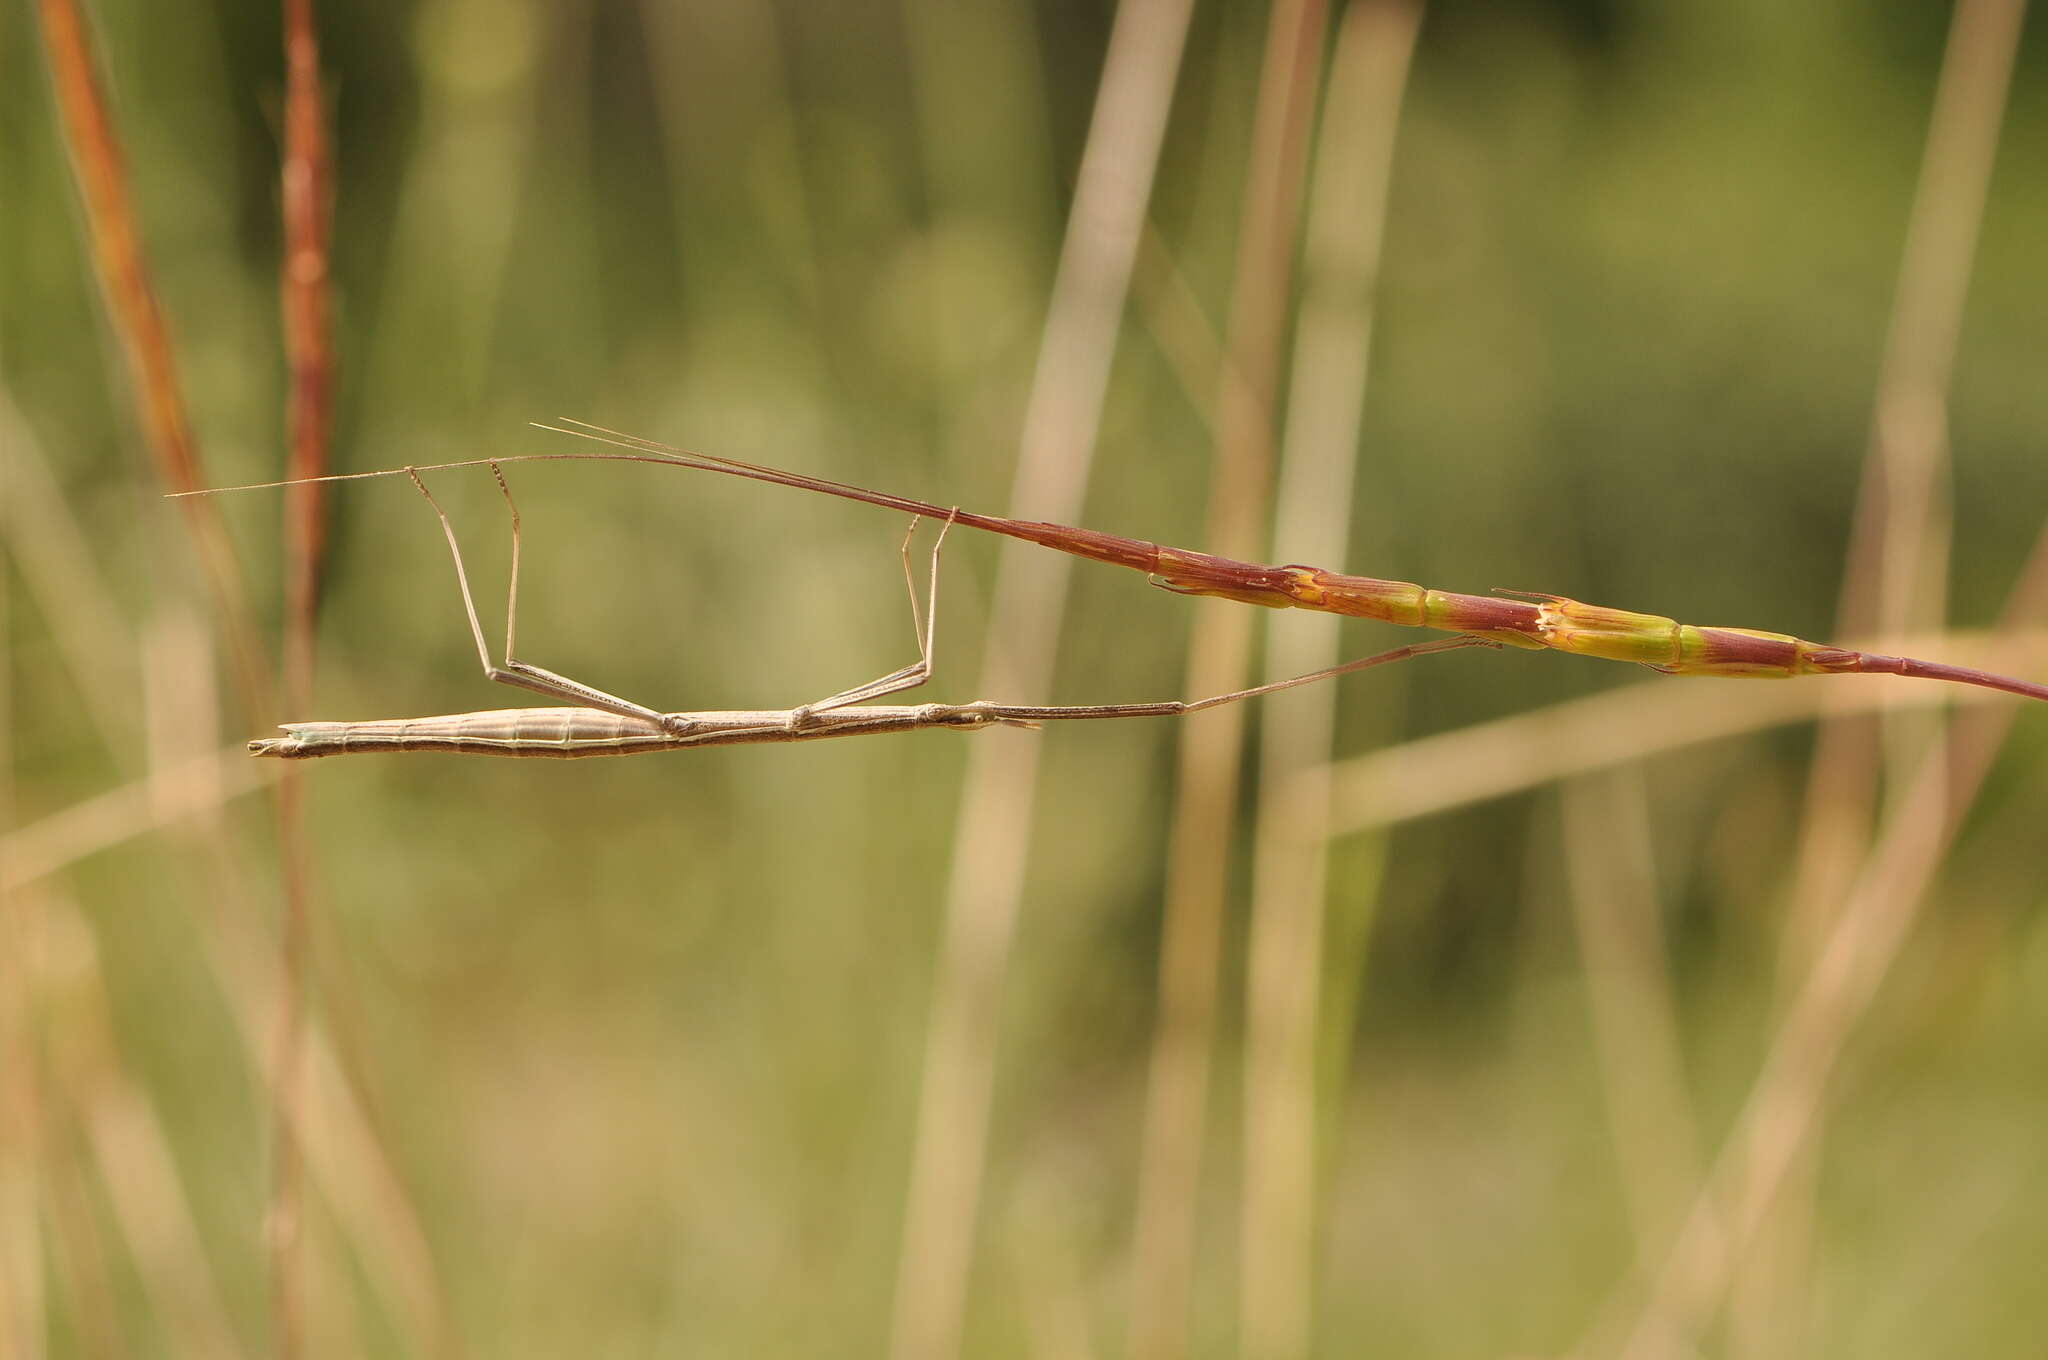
563 733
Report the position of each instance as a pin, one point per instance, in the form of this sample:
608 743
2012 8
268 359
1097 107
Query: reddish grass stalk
307 197
308 341
96 160
1176 1106
138 319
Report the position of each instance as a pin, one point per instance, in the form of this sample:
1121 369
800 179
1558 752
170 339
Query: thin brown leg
520 674
925 628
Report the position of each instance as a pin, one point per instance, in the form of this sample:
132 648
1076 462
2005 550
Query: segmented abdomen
558 733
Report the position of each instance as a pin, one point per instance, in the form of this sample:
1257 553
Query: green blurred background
642 1040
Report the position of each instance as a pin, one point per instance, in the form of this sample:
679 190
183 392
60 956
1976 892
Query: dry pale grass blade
283 1216
1891 565
1613 877
142 1186
354 1175
480 63
345 1154
98 163
1045 1258
180 700
45 541
149 1200
1283 1004
1781 1115
127 1143
1909 452
23 1302
986 886
1177 1088
1177 322
978 75
181 707
196 788
1784 1105
79 1251
1773 1308
360 1184
726 67
1636 723
23 1288
1897 566
71 1049
1894 569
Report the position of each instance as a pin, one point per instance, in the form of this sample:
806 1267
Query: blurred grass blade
992 848
1641 722
1784 1106
1618 917
1899 540
1205 801
1897 561
57 564
1285 963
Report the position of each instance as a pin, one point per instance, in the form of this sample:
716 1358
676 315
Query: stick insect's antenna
414 468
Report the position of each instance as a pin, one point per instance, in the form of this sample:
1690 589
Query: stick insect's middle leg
924 626
518 673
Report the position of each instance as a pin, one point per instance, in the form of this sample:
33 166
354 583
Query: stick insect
607 725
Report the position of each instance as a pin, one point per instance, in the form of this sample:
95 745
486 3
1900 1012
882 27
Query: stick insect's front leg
924 627
519 673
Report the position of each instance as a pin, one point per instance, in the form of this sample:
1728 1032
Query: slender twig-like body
606 725
569 733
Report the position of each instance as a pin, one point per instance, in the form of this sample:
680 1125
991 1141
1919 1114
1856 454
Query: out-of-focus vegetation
641 1040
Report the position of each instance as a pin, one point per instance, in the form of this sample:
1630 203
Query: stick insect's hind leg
924 626
515 672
